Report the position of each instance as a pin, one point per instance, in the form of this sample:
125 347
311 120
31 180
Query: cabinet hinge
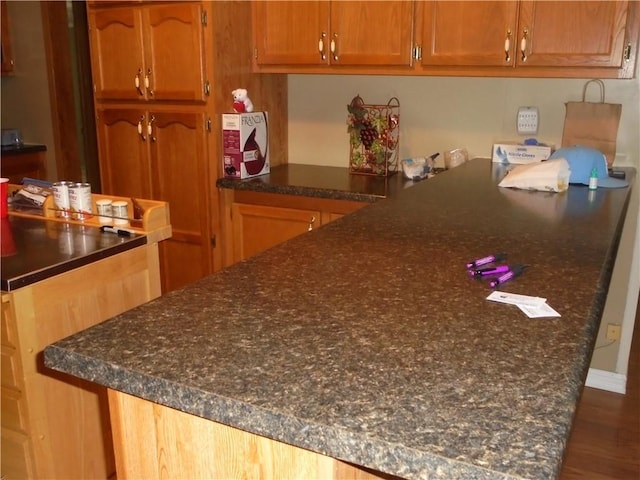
203 18
207 88
255 53
627 52
213 241
208 125
417 52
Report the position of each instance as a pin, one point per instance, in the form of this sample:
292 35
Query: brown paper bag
592 124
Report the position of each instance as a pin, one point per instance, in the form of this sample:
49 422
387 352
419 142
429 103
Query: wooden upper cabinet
122 147
139 53
116 53
174 51
572 34
290 33
528 38
469 33
322 33
371 33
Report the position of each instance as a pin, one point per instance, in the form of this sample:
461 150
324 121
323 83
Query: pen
498 257
125 232
513 273
484 272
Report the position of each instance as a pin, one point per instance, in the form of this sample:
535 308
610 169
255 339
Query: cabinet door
465 33
174 52
180 177
371 33
122 146
572 34
257 228
115 37
291 33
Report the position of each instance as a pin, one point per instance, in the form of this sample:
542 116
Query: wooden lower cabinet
254 221
161 154
16 166
257 228
56 426
153 441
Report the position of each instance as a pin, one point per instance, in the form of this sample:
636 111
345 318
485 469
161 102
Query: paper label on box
507 153
245 139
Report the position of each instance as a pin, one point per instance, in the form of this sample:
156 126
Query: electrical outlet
613 332
528 119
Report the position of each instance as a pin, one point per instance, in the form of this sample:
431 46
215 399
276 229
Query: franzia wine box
245 144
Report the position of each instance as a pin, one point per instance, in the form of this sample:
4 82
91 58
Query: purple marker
498 257
513 273
487 271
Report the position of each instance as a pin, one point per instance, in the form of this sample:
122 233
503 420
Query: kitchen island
59 277
367 342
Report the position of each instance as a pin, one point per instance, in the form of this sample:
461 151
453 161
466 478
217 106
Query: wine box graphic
245 144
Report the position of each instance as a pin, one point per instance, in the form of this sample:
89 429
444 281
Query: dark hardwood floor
605 443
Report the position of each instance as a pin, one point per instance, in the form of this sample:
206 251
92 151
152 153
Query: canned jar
120 211
61 201
80 201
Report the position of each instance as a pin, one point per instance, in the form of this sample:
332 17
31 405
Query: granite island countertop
366 339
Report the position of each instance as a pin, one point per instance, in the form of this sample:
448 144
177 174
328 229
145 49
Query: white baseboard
603 380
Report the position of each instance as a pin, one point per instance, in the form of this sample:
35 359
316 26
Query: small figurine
241 101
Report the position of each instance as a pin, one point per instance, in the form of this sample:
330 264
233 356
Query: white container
104 210
120 211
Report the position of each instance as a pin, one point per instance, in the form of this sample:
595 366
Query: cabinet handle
523 44
507 46
311 222
142 136
321 45
150 128
147 81
334 47
136 81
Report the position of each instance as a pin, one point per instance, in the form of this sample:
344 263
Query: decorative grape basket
374 133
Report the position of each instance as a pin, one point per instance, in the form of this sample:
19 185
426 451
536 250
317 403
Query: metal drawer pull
142 136
150 129
147 82
523 45
136 81
507 46
311 222
321 45
334 46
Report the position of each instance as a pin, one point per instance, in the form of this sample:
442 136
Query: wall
443 113
25 95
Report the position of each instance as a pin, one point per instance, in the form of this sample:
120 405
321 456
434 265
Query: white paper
515 299
533 307
540 311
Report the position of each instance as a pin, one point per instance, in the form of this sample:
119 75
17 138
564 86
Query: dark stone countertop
34 249
22 149
367 340
321 182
